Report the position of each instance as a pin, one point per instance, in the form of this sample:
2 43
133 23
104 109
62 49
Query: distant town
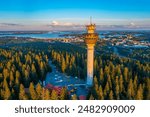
114 38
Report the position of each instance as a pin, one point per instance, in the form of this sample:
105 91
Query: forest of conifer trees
24 66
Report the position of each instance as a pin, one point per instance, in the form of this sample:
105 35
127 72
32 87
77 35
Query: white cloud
55 23
132 24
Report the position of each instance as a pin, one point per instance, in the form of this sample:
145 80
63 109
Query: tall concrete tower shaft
90 39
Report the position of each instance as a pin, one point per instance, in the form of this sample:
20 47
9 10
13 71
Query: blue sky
33 14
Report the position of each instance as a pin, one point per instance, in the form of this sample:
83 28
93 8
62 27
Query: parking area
73 84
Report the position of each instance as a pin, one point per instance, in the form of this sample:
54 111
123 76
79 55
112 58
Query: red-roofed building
82 97
58 89
49 86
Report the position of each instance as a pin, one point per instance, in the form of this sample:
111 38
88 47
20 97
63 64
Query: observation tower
90 40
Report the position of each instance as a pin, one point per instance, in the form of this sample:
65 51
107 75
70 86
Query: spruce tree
139 95
22 94
54 95
39 91
32 91
47 95
111 95
74 97
101 96
7 93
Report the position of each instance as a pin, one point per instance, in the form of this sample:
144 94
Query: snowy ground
75 84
